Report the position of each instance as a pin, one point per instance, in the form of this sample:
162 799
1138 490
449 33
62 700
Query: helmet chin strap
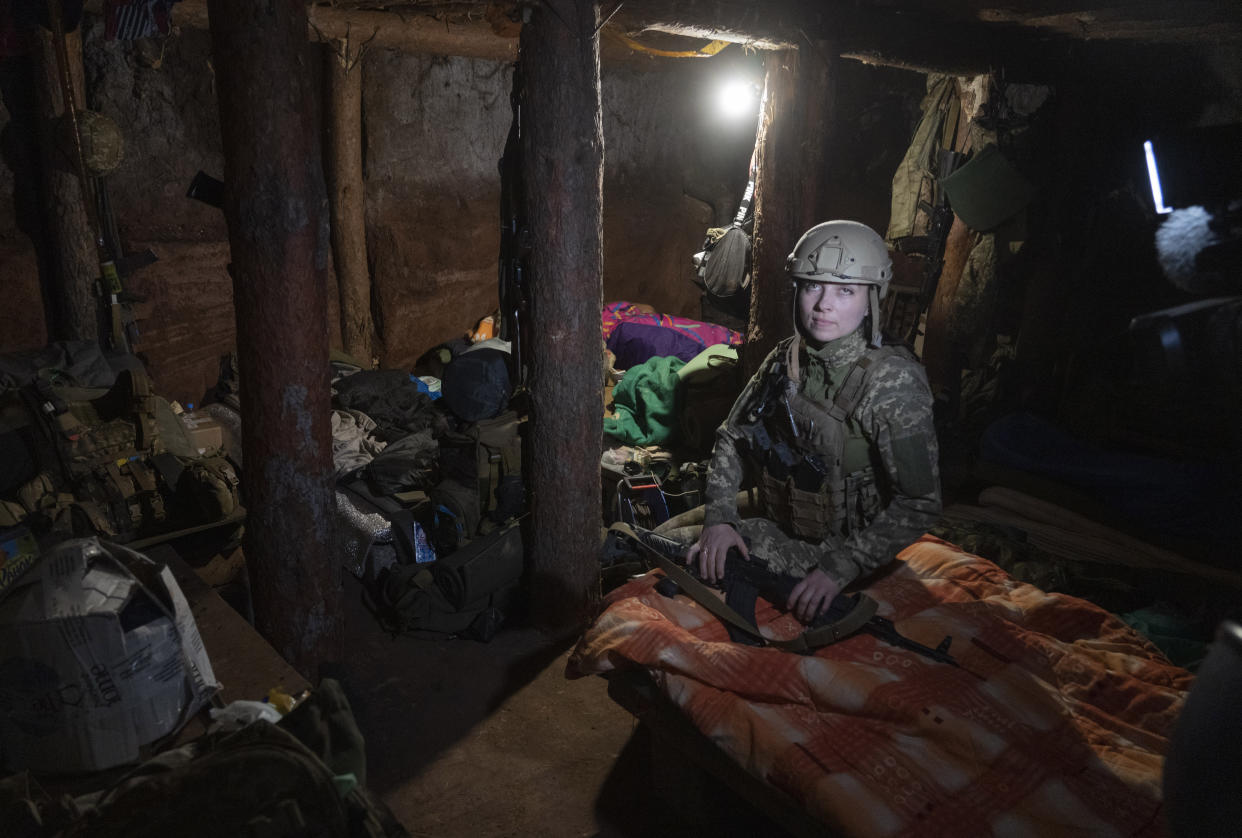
877 339
797 321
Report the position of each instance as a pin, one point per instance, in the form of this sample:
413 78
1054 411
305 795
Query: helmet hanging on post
848 253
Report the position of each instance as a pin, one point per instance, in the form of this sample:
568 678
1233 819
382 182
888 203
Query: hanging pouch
209 488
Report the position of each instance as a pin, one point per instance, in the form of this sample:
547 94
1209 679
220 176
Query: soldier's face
830 310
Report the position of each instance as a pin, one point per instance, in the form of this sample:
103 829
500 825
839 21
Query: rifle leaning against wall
744 581
930 246
938 230
109 280
515 243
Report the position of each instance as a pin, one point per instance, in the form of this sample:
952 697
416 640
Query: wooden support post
939 355
789 194
347 196
275 208
70 295
563 154
18 88
816 99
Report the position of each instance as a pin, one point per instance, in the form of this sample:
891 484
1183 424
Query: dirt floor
491 739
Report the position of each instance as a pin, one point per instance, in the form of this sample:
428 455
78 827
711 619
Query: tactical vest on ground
802 481
109 463
91 447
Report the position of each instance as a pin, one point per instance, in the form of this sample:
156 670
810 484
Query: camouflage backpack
484 464
302 777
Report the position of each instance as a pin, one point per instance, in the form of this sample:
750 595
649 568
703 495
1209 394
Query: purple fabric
705 334
634 342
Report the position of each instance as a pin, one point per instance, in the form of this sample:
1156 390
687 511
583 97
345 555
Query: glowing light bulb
737 98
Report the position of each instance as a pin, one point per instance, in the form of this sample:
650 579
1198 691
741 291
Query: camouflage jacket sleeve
727 468
896 416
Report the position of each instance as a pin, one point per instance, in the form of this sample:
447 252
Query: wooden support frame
347 195
274 204
563 169
72 265
634 691
793 141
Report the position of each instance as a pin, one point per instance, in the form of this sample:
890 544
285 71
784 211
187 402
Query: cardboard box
99 656
205 432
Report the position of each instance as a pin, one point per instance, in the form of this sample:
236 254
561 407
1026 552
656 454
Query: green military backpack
708 385
287 780
472 591
481 468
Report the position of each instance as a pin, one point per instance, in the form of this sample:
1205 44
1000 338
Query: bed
1055 722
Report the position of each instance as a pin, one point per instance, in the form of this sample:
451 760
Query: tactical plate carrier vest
798 447
103 465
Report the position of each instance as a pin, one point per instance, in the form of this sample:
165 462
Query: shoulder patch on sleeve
916 468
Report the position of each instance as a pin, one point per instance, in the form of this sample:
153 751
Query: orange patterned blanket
1055 724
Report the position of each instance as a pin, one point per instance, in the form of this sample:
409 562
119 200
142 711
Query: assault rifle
938 229
779 456
745 580
515 241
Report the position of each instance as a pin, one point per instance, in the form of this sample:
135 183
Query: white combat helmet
845 252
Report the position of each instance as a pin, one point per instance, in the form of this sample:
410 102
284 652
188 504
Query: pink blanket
705 334
1055 724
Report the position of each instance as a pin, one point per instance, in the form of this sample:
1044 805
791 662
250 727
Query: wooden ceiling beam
415 33
769 25
930 45
962 37
924 41
943 35
1166 24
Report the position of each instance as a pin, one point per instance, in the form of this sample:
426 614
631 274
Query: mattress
1055 721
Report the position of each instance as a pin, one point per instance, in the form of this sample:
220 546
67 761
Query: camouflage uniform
889 463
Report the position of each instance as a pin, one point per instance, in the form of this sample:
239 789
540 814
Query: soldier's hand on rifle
713 546
812 595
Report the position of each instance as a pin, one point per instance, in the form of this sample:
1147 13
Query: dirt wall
434 131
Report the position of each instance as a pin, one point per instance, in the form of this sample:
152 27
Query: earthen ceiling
945 35
764 21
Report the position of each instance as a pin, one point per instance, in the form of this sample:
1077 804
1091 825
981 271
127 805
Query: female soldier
837 429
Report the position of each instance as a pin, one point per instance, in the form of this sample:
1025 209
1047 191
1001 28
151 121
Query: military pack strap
850 391
124 488
93 513
847 396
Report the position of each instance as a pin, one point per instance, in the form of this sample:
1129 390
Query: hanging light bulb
737 98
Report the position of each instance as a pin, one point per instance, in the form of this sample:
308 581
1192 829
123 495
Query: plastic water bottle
423 551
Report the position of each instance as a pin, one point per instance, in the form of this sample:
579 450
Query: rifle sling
864 608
